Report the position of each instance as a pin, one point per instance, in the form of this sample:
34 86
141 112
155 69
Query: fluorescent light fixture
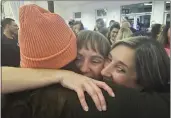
168 2
147 4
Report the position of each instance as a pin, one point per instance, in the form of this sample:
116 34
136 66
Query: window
167 6
101 12
167 19
137 8
77 15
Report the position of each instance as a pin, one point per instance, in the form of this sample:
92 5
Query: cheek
98 68
119 78
106 64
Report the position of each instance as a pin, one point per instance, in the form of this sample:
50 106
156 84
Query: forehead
88 52
115 29
13 23
123 54
77 25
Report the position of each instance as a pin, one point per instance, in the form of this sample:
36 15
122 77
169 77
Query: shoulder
127 103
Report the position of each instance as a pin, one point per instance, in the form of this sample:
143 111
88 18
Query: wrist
60 75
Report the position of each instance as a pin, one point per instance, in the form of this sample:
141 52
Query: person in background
99 24
9 28
111 23
51 46
141 33
126 24
10 52
104 31
164 38
123 33
113 33
146 95
155 31
93 49
139 25
77 27
71 23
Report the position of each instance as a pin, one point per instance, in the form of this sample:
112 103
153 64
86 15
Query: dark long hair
80 23
152 62
155 30
45 102
163 39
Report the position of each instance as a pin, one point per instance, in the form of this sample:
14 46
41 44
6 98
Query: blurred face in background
12 28
113 34
99 24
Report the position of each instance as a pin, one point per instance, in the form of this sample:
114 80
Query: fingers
81 97
91 91
105 87
100 95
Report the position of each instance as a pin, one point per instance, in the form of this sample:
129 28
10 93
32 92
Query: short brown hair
94 40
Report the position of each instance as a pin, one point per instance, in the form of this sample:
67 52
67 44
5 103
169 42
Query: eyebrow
110 56
123 64
99 57
93 56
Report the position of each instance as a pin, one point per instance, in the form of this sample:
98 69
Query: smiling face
114 34
90 63
120 66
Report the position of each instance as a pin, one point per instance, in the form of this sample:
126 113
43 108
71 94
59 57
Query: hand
80 83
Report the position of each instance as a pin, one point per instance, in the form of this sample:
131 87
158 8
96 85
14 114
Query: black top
57 102
10 52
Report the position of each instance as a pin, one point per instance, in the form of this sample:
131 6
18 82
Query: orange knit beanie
45 40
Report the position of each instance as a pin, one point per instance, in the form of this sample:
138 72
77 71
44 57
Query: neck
8 34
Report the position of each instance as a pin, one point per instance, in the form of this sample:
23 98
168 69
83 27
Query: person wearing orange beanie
44 38
46 42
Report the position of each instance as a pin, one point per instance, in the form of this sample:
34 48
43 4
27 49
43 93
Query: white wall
59 10
158 9
11 8
88 11
8 10
42 4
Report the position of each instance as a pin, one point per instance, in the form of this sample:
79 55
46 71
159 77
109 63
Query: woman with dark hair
146 95
78 26
71 23
129 64
114 29
155 30
164 38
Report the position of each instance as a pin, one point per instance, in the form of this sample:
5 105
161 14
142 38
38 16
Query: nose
85 67
106 72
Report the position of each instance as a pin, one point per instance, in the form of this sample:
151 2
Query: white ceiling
66 4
